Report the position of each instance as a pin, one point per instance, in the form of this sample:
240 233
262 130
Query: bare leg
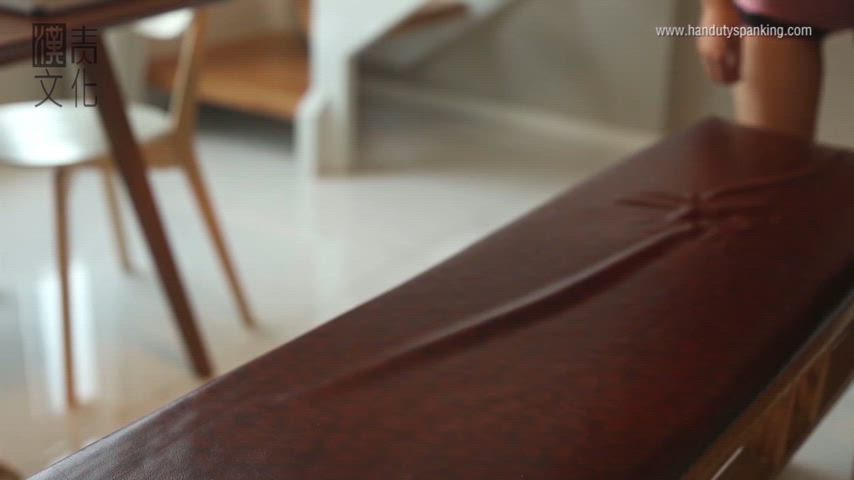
780 85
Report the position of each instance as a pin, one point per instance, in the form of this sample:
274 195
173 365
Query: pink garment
823 14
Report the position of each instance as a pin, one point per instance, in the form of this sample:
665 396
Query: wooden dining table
16 44
16 37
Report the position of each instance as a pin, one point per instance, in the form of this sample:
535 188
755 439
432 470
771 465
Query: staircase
310 76
269 74
341 31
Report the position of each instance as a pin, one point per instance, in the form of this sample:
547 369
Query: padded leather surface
611 334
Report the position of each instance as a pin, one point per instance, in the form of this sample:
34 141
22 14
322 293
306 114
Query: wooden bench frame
762 441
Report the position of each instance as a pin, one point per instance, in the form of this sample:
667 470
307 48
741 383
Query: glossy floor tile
307 251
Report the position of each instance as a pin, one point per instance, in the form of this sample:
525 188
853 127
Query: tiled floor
307 251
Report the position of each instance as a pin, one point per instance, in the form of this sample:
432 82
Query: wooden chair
167 139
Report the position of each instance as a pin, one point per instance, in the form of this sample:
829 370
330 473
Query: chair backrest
192 24
166 26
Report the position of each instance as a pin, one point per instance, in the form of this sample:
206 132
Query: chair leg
191 168
62 177
116 217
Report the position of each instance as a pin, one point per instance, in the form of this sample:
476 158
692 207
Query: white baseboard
519 116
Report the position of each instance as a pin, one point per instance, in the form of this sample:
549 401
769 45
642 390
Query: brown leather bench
684 311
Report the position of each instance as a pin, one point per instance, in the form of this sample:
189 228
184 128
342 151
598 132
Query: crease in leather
518 312
681 225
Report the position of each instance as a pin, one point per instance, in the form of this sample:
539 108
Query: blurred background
346 147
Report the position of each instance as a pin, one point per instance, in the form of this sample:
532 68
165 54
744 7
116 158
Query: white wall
600 60
596 59
340 31
837 117
402 52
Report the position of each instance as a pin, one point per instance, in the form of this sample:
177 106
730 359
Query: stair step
433 13
267 74
436 11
